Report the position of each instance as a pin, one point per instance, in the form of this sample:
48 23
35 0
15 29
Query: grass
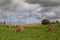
30 33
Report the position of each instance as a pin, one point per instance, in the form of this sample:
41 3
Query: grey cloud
8 5
47 6
46 9
45 2
4 2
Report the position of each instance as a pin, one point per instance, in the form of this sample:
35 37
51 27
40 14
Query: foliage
45 21
57 21
4 22
53 22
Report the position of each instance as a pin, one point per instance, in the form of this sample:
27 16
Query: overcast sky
29 11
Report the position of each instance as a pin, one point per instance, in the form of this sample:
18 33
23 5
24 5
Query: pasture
30 33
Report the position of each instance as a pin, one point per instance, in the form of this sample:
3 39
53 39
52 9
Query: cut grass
30 33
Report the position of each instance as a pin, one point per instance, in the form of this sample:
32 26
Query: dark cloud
27 12
47 6
44 3
4 2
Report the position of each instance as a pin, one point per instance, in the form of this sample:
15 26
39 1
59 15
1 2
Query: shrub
45 21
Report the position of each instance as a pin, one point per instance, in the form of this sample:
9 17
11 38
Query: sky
29 11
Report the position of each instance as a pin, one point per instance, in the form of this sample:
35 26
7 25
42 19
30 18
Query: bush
45 21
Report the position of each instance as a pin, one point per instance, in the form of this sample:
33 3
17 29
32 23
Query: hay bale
52 29
19 29
8 26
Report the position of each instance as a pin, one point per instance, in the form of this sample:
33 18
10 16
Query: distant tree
57 21
4 22
53 22
45 21
1 22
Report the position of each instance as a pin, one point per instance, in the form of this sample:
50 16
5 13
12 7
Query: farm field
30 33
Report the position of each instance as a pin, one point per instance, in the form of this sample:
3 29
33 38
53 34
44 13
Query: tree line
46 21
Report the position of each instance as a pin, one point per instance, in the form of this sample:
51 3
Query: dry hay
52 28
19 29
8 26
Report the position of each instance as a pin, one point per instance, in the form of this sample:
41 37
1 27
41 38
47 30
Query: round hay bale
52 28
19 29
8 26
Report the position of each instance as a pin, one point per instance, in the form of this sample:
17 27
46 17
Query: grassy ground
30 33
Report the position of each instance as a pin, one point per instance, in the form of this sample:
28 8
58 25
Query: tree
53 22
57 21
45 21
4 22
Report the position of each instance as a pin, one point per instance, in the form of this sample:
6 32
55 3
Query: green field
30 33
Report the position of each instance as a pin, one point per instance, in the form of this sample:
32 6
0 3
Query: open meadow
30 33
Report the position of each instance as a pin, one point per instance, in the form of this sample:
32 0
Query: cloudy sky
29 11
